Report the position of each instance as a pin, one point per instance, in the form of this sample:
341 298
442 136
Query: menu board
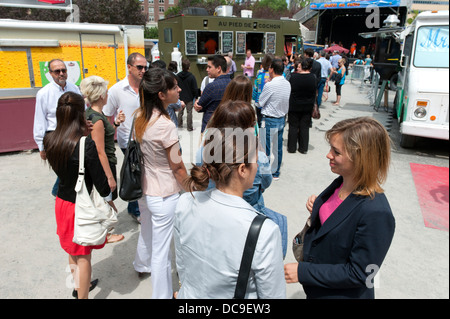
240 42
270 42
227 41
191 42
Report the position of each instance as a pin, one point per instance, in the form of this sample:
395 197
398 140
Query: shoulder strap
81 166
247 256
80 179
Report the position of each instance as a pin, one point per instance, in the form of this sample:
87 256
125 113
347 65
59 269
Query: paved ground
33 265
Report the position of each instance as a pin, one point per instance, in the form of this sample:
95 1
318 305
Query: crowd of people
209 208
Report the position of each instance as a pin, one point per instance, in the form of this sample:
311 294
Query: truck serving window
255 42
207 42
432 47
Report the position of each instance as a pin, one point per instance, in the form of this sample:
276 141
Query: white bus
421 103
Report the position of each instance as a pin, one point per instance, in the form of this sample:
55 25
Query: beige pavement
33 265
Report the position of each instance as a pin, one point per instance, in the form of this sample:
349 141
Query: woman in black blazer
352 225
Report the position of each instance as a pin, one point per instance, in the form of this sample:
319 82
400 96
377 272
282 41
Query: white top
203 85
210 231
45 111
326 66
274 98
122 97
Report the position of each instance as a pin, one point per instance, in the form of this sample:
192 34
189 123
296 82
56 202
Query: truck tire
407 141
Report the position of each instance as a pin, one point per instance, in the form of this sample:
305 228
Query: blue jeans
274 128
133 207
320 88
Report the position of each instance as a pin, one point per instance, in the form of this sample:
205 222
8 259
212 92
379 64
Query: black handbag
247 256
130 173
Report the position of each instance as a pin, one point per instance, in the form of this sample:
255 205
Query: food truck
198 37
26 47
422 103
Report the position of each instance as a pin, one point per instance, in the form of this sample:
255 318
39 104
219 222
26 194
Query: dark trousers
189 106
299 123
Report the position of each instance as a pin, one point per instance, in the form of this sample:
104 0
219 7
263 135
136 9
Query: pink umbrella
336 48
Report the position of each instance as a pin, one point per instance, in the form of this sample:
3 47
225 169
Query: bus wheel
407 141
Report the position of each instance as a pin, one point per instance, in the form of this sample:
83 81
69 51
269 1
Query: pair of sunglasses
63 71
140 67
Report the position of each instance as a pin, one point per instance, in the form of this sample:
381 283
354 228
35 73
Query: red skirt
65 215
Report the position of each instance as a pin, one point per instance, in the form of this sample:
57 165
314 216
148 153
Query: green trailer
198 37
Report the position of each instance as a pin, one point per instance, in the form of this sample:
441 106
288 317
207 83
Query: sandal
114 238
336 104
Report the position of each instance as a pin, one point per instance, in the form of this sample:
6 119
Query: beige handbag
297 244
94 217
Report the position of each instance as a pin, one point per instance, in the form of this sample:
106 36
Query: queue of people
209 208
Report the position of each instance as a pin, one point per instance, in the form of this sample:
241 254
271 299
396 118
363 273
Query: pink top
330 206
157 177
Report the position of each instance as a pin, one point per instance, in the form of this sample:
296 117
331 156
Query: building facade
155 9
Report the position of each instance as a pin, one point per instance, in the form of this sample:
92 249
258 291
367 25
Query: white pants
153 249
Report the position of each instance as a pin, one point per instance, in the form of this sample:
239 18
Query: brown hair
240 88
71 125
368 145
155 80
233 117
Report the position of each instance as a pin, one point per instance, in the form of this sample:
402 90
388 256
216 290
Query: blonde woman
341 72
352 225
95 92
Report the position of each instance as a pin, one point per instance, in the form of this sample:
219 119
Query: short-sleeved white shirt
121 96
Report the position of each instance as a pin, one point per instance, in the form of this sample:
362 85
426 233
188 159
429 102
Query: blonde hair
93 88
368 145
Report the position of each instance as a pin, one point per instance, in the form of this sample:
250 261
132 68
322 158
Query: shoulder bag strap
81 165
247 257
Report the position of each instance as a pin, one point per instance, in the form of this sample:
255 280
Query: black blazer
342 254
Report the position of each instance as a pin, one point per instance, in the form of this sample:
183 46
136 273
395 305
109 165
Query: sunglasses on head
140 67
63 71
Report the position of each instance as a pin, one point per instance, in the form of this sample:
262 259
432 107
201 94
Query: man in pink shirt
249 65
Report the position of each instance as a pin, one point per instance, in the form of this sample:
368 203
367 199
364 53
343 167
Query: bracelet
116 125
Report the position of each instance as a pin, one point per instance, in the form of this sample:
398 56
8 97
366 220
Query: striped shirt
274 99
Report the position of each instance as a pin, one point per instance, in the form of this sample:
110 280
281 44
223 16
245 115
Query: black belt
273 117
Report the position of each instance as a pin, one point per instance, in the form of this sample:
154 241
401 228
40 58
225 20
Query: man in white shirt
124 96
326 68
46 103
274 102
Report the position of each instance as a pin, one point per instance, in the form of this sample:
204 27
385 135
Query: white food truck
421 103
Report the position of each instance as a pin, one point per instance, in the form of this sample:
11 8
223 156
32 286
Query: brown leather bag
316 112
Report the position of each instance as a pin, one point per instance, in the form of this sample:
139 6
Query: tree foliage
92 11
262 9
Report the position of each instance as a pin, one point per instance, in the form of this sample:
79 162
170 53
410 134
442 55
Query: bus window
432 47
207 42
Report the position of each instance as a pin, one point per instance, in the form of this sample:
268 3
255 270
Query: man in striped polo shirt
274 102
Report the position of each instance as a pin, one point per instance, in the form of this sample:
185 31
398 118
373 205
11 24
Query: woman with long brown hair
211 226
162 178
62 150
